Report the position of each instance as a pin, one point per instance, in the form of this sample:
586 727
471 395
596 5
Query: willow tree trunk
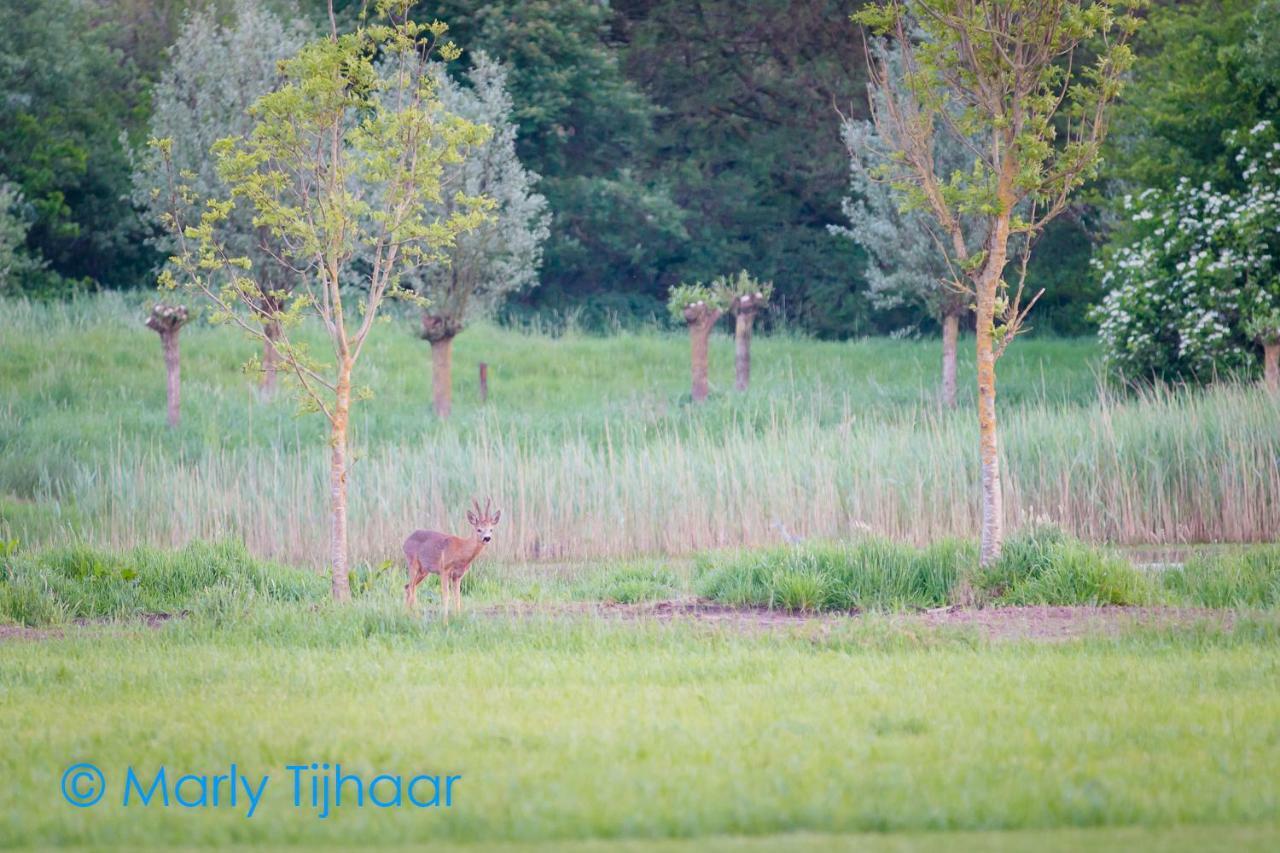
950 332
340 575
270 358
1271 366
988 432
173 373
699 343
742 349
167 321
442 375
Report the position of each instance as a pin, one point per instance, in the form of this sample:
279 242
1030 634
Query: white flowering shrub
1196 288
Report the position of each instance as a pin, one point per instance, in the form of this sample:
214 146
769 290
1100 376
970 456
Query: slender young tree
699 306
167 321
501 256
344 160
745 297
906 264
1004 76
215 74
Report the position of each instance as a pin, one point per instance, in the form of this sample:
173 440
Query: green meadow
162 602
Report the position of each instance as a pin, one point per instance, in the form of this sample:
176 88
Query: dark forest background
676 140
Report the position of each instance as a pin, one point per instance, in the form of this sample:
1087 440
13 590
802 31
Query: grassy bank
222 581
574 729
593 449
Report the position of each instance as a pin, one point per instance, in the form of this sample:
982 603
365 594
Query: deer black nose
487 538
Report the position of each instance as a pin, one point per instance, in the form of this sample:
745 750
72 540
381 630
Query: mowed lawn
581 728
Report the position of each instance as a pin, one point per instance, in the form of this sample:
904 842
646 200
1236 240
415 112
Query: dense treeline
675 140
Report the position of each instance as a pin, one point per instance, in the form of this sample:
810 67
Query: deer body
450 557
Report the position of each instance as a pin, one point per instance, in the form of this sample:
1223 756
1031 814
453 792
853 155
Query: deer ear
471 519
497 515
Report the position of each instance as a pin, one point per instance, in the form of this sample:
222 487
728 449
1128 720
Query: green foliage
79 582
1203 70
994 76
344 162
1195 285
69 95
633 584
585 128
500 256
1042 565
695 295
871 574
742 288
744 140
217 70
1235 577
16 263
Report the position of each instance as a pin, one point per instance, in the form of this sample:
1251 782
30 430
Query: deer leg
457 591
411 588
444 594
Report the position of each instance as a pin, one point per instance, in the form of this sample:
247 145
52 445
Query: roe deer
448 556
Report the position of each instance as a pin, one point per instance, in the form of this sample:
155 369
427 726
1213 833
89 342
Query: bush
1196 284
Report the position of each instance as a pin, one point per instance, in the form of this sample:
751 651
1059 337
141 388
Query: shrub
1197 283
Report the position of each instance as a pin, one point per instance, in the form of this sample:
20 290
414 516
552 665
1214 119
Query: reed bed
592 452
1161 468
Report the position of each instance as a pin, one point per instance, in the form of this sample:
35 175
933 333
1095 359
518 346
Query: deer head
483 520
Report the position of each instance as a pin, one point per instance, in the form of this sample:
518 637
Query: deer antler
488 510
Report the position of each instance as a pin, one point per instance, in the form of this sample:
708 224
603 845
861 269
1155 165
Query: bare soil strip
1042 623
1045 623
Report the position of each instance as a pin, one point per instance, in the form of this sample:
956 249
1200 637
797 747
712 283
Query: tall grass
591 448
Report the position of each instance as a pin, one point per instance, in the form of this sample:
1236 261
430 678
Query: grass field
581 729
160 607
592 446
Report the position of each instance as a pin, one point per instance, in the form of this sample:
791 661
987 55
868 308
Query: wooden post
484 382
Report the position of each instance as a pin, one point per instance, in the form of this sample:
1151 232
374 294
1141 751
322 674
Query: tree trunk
950 331
699 341
174 374
442 375
340 580
1271 366
270 359
742 349
988 433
